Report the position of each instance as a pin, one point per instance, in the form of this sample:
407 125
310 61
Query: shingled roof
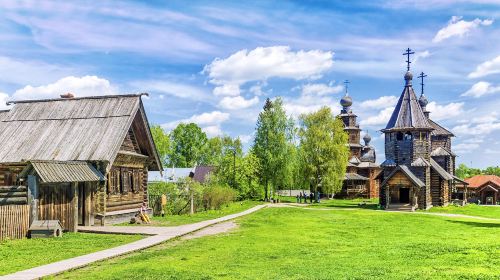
408 112
72 129
438 129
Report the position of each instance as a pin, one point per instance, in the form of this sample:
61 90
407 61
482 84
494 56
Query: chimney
67 95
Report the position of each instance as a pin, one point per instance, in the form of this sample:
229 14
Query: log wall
14 221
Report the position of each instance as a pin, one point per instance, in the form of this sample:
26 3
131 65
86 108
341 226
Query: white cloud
227 90
238 102
481 88
380 103
212 130
260 64
204 120
486 68
321 89
210 122
79 86
173 89
4 97
309 103
457 27
265 62
246 138
443 112
382 118
479 126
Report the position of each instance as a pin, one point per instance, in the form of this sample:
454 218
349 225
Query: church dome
367 138
346 101
408 76
423 101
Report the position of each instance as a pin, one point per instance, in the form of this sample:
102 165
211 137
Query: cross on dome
407 53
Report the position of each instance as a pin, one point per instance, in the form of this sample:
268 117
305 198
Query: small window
399 136
408 136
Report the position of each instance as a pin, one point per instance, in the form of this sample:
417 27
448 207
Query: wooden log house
82 161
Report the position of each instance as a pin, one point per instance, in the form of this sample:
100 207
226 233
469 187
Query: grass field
293 243
176 220
470 209
16 255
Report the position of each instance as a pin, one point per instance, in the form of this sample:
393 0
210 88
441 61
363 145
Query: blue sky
215 63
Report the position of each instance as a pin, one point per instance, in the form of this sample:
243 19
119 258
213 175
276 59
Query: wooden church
82 161
362 169
419 169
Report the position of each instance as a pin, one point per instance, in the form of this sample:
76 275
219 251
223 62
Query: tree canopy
323 150
188 143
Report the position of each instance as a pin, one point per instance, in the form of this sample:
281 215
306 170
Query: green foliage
162 142
270 144
188 143
463 171
214 197
323 149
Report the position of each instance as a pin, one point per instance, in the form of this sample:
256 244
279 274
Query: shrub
216 196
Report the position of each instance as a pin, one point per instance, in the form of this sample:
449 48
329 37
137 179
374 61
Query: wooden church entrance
404 195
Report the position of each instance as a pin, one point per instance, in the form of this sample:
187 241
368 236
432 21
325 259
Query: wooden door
56 204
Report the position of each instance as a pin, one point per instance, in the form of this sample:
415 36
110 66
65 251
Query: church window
408 136
399 136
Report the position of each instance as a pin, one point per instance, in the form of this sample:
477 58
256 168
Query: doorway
81 203
404 195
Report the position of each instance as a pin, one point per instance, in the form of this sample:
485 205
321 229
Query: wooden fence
14 221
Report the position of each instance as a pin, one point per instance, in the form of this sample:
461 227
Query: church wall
440 141
420 145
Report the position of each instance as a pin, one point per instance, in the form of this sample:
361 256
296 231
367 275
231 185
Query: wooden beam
74 206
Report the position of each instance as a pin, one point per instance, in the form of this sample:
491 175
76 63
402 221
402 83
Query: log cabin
82 161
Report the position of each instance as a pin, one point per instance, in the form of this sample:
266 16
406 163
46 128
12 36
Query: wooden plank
14 221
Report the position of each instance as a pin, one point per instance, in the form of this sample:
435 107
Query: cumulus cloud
309 103
382 118
321 89
479 126
210 122
443 112
481 88
237 102
260 64
457 27
465 148
380 103
79 86
245 138
486 68
4 97
265 62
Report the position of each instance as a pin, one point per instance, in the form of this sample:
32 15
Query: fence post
33 198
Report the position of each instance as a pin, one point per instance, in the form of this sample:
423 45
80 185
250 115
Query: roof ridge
77 98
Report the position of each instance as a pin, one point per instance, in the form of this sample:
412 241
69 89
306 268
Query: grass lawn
470 209
16 255
176 220
296 243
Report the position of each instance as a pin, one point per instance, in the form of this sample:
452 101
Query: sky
215 62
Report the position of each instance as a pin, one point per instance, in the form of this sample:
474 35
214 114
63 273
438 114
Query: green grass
176 220
296 243
16 255
471 210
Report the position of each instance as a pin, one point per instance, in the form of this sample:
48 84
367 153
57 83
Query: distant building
362 169
484 189
170 175
199 173
419 169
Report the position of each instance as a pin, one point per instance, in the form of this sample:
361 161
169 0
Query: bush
216 196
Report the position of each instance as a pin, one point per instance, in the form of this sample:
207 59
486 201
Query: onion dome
367 138
346 101
408 77
423 101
